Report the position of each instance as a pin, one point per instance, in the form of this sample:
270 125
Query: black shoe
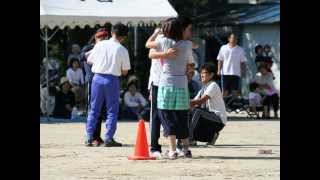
88 143
112 143
187 154
215 137
179 144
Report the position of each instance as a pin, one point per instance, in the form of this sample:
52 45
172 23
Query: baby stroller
237 104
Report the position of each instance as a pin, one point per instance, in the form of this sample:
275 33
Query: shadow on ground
237 157
45 120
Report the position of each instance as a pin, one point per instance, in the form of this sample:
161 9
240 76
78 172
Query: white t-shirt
75 77
155 69
133 101
231 58
109 57
215 103
266 79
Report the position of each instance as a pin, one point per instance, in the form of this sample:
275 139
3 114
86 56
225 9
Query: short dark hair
185 21
172 29
253 86
208 67
166 21
257 48
232 33
72 60
120 30
267 46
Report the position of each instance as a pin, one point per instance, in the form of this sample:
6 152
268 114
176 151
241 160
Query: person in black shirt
65 100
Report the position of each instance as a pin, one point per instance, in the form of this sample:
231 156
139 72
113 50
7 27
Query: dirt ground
63 155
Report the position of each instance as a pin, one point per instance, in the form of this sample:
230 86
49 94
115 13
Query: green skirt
173 98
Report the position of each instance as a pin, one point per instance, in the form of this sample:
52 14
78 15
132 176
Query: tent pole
135 41
47 63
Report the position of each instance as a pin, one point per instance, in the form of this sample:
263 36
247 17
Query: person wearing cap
109 61
65 100
100 35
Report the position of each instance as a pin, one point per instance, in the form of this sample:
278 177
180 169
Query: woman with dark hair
173 95
264 79
259 55
76 79
155 72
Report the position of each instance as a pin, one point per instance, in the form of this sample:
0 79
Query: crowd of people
180 95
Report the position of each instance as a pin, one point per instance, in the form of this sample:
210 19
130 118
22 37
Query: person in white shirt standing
231 65
109 61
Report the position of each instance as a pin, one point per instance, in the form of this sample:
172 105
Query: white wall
261 34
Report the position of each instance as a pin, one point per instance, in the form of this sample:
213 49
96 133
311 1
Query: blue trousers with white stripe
106 88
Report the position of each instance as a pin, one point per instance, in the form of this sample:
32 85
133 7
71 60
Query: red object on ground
141 151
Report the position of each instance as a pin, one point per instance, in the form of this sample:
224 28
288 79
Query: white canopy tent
72 13
80 13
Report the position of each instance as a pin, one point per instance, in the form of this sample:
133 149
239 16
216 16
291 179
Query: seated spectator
260 59
47 99
255 99
268 55
266 87
134 102
65 100
76 80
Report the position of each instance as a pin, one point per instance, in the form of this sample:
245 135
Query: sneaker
187 154
112 143
156 154
89 143
180 152
172 155
97 142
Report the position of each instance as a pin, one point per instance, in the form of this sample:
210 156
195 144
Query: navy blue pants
175 122
155 121
104 88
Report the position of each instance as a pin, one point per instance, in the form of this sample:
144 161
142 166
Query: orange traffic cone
141 151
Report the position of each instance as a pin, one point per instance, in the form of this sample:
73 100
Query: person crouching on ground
210 97
134 102
110 60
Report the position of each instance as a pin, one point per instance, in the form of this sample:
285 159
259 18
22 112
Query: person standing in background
231 65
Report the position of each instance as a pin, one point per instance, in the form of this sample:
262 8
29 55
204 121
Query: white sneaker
180 152
156 154
172 155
